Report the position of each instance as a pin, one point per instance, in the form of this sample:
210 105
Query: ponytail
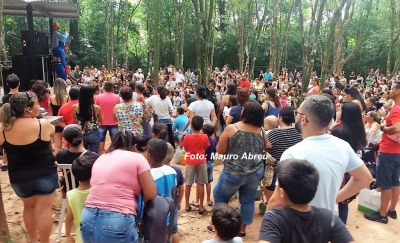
162 91
163 135
7 116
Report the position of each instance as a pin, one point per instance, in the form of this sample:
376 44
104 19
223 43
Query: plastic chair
67 173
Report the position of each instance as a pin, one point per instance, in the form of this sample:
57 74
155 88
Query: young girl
283 98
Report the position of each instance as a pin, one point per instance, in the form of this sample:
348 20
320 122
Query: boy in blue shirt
179 123
164 176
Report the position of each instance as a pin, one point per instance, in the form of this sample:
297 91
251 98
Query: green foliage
92 34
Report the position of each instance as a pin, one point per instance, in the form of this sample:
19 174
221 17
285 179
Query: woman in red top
39 88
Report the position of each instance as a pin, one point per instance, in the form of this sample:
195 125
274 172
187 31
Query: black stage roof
49 9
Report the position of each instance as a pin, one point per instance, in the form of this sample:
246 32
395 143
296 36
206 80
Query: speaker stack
22 66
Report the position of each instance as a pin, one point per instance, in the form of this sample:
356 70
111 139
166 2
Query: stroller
369 156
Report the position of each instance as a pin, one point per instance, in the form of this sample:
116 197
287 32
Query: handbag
269 162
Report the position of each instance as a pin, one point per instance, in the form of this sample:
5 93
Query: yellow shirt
76 201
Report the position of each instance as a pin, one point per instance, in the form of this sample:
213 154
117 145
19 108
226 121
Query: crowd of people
316 138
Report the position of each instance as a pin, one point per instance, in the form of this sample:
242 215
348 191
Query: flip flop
210 204
210 230
188 209
193 204
202 212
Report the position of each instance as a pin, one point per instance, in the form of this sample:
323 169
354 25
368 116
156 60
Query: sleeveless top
241 146
130 117
29 161
272 111
56 108
88 126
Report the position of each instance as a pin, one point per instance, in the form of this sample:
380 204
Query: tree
3 52
179 31
203 23
394 37
308 45
4 233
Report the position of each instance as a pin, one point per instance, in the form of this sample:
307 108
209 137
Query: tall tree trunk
108 36
126 34
273 52
394 23
112 34
327 46
309 49
4 233
204 16
3 52
156 57
179 31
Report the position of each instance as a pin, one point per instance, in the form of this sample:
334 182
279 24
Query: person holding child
195 145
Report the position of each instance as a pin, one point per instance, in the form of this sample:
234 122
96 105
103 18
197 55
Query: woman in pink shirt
118 177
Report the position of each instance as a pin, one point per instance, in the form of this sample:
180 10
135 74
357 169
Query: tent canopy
53 9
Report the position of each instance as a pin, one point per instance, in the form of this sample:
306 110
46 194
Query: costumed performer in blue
59 60
57 35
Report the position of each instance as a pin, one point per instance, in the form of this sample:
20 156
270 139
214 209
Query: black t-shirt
286 225
6 98
66 157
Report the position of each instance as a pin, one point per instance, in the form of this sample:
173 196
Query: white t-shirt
139 76
179 77
332 157
234 240
202 108
162 108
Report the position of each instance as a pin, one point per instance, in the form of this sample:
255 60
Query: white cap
139 70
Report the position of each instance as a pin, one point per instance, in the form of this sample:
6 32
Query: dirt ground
192 226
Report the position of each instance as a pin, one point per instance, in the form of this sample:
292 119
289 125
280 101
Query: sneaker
4 168
376 217
392 214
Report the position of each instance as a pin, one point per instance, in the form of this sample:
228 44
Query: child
270 123
82 170
195 145
13 83
226 223
179 193
209 131
164 176
296 187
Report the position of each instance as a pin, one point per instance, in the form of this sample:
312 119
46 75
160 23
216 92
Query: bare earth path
192 227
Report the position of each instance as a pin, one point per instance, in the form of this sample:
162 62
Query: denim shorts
37 187
210 170
98 225
387 170
112 130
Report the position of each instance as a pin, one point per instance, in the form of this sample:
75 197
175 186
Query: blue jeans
343 211
246 185
112 130
91 141
99 225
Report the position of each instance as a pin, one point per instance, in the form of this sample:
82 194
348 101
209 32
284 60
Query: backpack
153 217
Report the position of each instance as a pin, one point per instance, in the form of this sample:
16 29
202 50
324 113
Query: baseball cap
139 70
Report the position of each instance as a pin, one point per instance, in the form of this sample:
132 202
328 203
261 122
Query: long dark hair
160 130
274 97
352 128
86 108
162 91
124 140
353 92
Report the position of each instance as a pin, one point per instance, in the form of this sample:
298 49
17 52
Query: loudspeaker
21 66
41 41
5 72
